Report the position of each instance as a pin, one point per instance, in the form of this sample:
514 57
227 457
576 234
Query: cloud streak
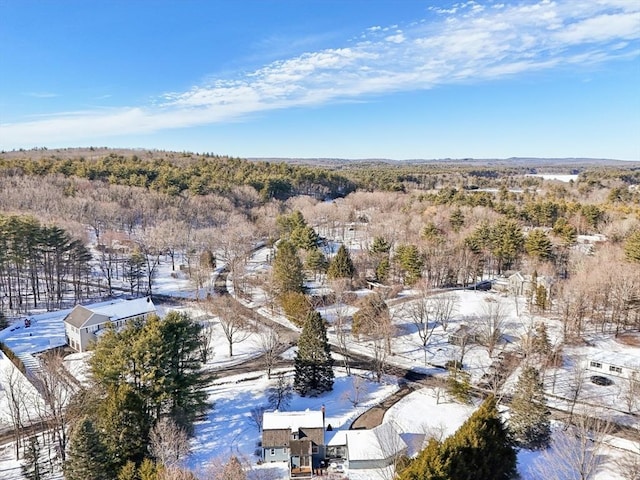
465 43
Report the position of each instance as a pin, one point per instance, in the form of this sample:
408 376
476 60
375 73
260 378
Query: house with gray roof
84 323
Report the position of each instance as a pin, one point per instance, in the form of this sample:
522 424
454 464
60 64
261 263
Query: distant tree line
204 175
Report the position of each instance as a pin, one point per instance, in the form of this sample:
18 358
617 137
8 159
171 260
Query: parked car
600 380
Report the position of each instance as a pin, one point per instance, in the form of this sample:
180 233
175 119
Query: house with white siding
617 364
84 323
376 448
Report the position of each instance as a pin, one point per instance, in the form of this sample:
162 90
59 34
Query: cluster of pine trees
40 264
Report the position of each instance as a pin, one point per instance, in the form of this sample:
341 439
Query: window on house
613 368
314 449
595 364
273 451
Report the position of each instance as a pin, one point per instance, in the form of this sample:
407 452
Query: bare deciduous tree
629 464
234 325
420 312
168 443
576 383
256 415
207 333
340 323
380 354
391 447
268 344
56 387
19 395
444 308
280 394
232 469
576 451
357 391
492 324
630 393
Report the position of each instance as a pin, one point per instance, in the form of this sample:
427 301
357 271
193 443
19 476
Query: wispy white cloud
466 42
41 94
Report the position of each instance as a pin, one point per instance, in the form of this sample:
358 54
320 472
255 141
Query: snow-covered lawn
230 430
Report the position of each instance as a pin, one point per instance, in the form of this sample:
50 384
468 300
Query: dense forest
449 224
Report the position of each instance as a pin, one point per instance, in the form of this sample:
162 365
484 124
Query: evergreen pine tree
287 269
428 465
538 245
124 424
541 342
632 247
479 450
459 383
182 375
382 270
128 472
33 467
286 224
379 250
456 219
506 243
529 421
411 262
148 470
313 362
481 447
304 237
87 458
541 297
380 246
341 266
316 261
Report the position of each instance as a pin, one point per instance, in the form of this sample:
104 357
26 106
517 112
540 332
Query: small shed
464 335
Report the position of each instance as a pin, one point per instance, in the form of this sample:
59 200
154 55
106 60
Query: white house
617 364
84 323
364 449
520 284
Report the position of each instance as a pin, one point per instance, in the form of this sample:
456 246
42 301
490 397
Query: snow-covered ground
228 428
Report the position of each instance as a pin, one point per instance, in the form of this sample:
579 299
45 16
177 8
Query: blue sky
399 79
